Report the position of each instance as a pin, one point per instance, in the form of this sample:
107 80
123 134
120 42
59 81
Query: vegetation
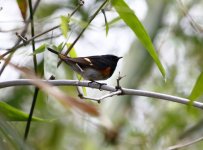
161 45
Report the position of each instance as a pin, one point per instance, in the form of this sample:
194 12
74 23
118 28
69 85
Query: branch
125 91
175 147
16 46
32 34
83 30
36 91
38 35
103 97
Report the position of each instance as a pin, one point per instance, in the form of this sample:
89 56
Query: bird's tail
61 56
53 51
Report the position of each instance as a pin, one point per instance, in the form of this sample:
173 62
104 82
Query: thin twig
27 129
103 97
16 46
36 91
23 82
83 30
118 81
36 36
175 147
80 94
24 39
33 34
48 38
192 22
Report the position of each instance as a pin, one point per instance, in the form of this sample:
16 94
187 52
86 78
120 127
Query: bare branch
125 91
103 97
175 147
16 46
38 35
192 22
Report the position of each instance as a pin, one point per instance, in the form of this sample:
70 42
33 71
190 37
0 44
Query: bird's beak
120 57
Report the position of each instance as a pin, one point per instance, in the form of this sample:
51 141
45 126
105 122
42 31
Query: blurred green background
131 122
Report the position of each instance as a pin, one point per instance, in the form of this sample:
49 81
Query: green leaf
64 25
47 9
113 21
72 52
128 16
106 22
60 46
39 49
197 90
13 114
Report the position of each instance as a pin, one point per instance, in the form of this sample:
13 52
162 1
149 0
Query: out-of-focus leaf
128 16
47 9
55 92
64 25
114 20
11 136
106 22
73 54
40 68
22 4
197 90
61 46
13 114
39 49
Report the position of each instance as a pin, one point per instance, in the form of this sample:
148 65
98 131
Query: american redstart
92 68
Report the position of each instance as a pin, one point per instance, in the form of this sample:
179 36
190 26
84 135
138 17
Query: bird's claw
100 84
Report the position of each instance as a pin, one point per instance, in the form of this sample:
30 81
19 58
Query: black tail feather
53 51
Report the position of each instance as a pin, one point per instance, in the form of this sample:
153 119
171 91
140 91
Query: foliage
169 35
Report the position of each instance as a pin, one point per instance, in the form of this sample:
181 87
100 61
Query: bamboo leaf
197 90
64 25
129 17
39 49
106 22
13 114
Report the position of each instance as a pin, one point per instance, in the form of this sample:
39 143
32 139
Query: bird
92 68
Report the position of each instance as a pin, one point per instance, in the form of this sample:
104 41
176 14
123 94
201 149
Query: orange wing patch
106 72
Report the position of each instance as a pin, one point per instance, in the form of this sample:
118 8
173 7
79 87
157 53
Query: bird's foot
100 84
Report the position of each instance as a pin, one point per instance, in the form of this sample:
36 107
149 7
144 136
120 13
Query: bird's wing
90 62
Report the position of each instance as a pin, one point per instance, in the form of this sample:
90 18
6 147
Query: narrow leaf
64 25
39 49
113 21
61 46
13 114
106 22
72 52
22 4
197 90
128 16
